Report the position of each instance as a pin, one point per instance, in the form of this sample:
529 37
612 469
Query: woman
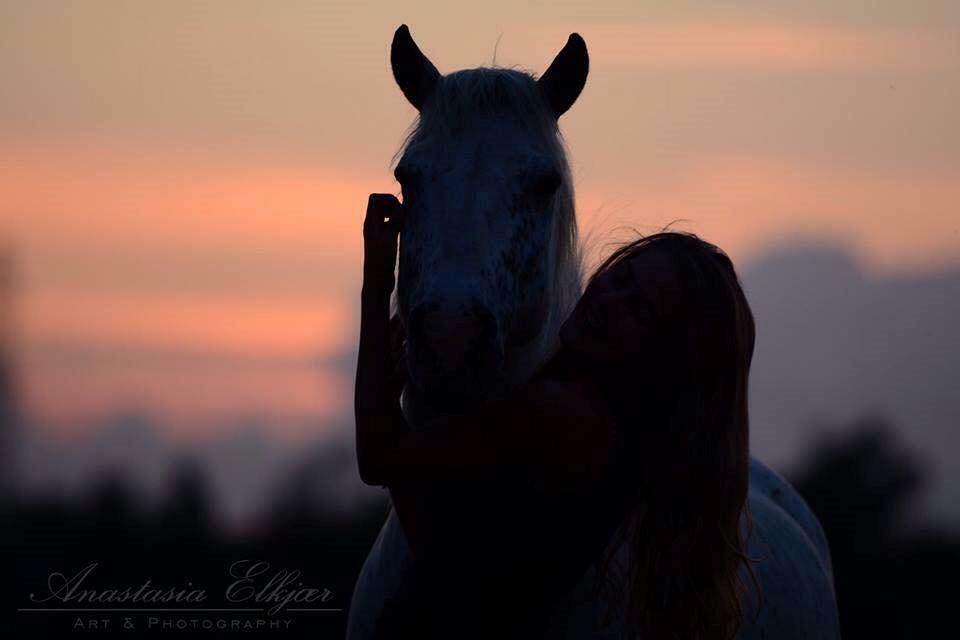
633 435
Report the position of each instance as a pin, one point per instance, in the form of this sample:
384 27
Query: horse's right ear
415 74
564 79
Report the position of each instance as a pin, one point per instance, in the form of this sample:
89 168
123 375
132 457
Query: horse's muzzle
454 353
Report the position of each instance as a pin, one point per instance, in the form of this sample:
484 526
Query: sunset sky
182 183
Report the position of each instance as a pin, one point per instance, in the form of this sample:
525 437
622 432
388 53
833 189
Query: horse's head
489 263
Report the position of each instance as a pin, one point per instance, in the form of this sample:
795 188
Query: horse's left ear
564 79
412 70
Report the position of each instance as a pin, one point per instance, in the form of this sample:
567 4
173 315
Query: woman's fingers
382 206
384 217
380 234
382 202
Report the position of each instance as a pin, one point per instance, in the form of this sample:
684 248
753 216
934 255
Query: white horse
489 269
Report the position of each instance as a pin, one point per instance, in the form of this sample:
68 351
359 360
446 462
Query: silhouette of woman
632 438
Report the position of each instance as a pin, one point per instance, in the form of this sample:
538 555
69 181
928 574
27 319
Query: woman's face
618 313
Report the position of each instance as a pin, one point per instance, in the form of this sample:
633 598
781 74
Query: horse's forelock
464 96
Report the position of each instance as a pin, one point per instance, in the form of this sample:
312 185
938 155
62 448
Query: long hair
684 537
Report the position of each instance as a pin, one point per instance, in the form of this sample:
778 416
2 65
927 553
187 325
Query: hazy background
182 186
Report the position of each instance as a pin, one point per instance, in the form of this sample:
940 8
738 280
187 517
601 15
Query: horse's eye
547 182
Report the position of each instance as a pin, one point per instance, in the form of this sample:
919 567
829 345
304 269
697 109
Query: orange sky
183 183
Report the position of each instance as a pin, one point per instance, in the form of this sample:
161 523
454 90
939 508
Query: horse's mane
464 96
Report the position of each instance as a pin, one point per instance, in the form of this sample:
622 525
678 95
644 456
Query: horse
489 268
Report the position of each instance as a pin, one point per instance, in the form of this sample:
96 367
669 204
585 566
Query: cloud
898 219
767 46
108 197
192 402
231 326
837 342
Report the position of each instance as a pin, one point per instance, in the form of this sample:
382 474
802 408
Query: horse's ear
563 81
415 74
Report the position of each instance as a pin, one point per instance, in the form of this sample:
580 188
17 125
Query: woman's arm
379 420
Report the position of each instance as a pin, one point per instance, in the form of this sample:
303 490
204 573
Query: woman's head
666 328
666 311
647 287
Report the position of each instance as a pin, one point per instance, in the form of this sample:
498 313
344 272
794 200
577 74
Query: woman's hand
381 228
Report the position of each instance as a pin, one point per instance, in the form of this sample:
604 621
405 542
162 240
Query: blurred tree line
175 546
893 580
